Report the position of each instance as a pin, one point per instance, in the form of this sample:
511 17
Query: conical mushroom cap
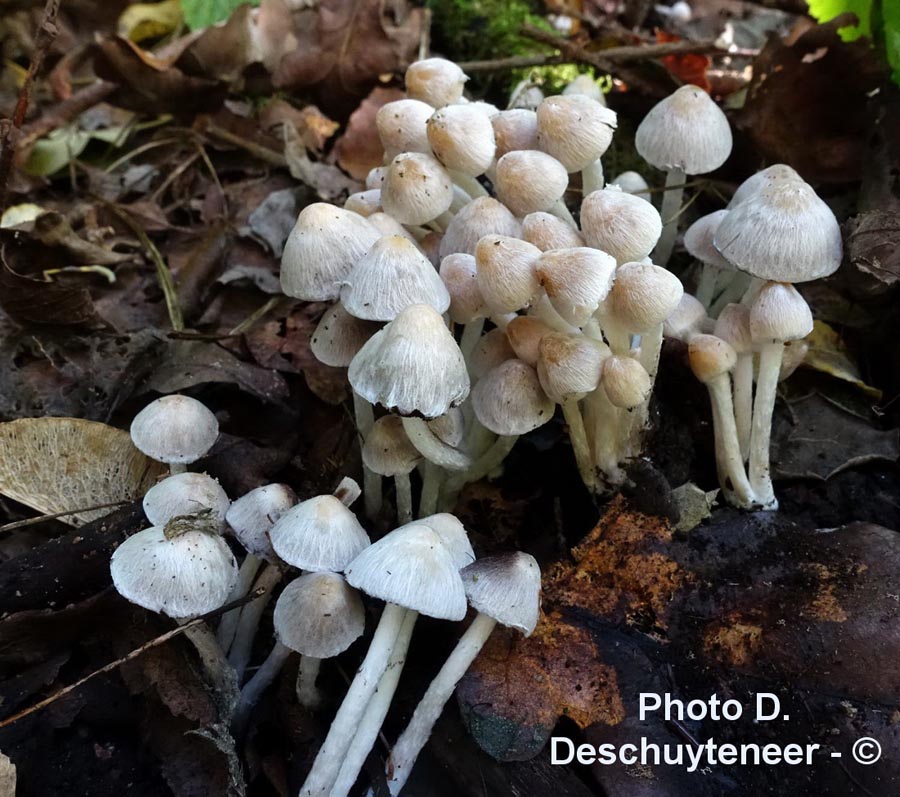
784 232
546 231
507 589
574 129
569 365
493 348
779 313
452 534
174 429
459 275
387 450
528 181
632 183
698 240
525 334
620 224
509 399
626 382
318 534
687 319
686 130
482 216
391 276
319 615
402 124
643 296
710 357
193 573
462 138
339 336
321 250
776 173
412 366
576 280
436 81
733 326
449 428
185 494
365 203
416 189
410 567
514 129
505 272
252 516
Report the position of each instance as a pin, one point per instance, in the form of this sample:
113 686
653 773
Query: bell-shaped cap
784 232
174 429
569 366
391 276
528 181
546 231
776 173
492 349
514 129
462 139
733 326
576 280
416 189
698 240
505 272
620 224
339 336
643 296
449 428
509 399
586 85
318 534
387 450
575 129
401 126
710 357
411 567
482 216
458 272
452 534
184 575
506 588
252 516
525 333
779 313
686 130
321 250
186 494
436 81
632 183
413 366
686 320
364 203
319 615
626 382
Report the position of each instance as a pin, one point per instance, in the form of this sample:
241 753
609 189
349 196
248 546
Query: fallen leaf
829 354
359 148
315 128
142 21
203 13
693 504
689 67
57 464
326 179
31 301
873 244
272 220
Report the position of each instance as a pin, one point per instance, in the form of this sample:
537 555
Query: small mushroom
176 430
620 224
436 81
186 494
389 452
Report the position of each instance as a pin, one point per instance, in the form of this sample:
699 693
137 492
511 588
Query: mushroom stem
432 447
431 489
706 284
470 336
215 666
254 688
729 462
592 178
770 355
404 498
560 210
416 734
365 420
468 184
651 347
618 338
376 711
328 762
743 400
671 204
307 692
251 614
580 446
604 421
177 467
229 622
734 288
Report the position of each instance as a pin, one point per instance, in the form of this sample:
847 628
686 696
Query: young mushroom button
186 494
176 430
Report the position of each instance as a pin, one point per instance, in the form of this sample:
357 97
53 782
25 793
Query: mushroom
514 129
546 231
339 336
482 216
365 203
410 569
620 224
417 190
502 589
388 452
467 305
436 81
576 281
462 139
698 240
176 430
776 173
186 494
505 272
733 326
525 333
401 126
528 181
685 133
625 382
632 183
492 349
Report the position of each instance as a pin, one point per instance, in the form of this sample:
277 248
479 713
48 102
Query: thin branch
513 62
34 521
257 150
153 643
64 112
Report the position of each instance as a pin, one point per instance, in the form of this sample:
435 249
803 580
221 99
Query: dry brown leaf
57 464
359 148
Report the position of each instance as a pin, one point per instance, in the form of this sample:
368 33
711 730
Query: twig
64 112
263 153
46 35
34 521
153 643
513 62
255 316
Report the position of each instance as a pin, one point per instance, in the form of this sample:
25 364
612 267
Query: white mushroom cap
453 536
546 231
174 429
575 129
505 272
190 574
319 615
416 189
375 177
686 130
252 516
783 232
586 85
507 589
569 366
698 240
576 280
632 183
449 428
514 129
620 224
509 399
493 348
412 366
528 181
436 81
392 275
779 313
388 225
401 126
778 172
318 534
482 216
339 335
686 320
411 567
365 203
462 138
643 296
710 357
185 494
525 333
321 250
458 272
387 450
626 382
733 326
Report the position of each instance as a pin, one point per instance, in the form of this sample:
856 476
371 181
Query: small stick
33 521
153 643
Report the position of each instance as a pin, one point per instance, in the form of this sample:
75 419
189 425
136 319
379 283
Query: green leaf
890 17
203 13
825 10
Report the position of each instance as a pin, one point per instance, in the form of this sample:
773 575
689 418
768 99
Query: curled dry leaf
829 354
31 301
56 464
873 245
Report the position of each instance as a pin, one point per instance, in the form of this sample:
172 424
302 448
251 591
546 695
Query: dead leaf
142 21
359 148
31 301
53 229
688 68
873 244
326 179
272 220
56 464
829 354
